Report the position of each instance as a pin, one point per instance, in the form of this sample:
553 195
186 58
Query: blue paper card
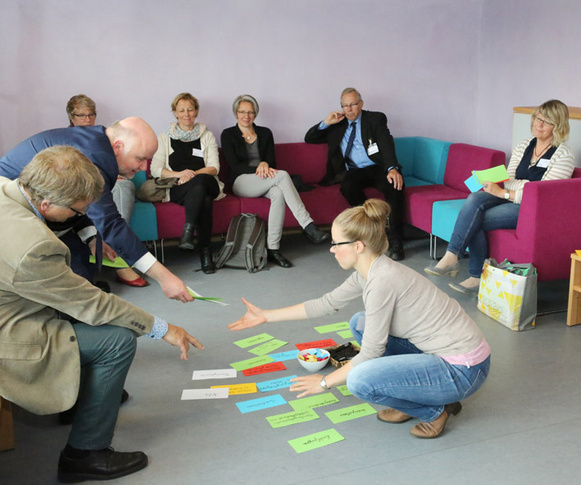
282 356
472 184
260 403
275 384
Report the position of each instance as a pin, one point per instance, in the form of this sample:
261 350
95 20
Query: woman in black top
249 151
188 151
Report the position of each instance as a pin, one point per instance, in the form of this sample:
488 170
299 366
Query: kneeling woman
420 352
188 151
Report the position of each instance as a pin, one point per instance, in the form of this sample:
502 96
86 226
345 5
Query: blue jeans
106 354
410 381
481 212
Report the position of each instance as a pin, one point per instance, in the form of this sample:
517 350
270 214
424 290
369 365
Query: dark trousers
356 180
197 197
80 253
106 354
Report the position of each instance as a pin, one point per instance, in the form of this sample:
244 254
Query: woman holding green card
543 157
420 352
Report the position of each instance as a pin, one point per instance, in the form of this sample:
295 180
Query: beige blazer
39 355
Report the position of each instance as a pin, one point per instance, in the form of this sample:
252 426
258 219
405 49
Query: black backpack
245 245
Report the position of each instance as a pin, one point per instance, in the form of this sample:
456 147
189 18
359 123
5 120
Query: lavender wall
449 69
530 53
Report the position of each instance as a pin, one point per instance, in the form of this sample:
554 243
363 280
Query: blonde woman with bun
421 354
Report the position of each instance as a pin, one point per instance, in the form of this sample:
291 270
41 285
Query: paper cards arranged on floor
304 409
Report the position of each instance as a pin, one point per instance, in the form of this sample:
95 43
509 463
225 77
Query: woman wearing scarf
188 151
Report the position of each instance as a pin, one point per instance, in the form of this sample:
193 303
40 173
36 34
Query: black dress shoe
187 237
78 466
396 251
206 260
315 234
276 257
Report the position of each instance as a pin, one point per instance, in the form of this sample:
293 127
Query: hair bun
377 210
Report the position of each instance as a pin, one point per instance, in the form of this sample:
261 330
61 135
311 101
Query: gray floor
520 428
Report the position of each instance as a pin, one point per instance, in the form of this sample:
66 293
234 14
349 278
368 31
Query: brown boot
434 428
390 415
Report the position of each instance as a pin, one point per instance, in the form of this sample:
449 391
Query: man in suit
46 362
362 154
123 148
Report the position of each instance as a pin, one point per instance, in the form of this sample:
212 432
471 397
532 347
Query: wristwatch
324 384
507 195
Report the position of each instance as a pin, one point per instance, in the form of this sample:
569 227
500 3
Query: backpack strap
228 247
254 235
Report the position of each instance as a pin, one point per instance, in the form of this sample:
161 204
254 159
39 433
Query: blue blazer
94 143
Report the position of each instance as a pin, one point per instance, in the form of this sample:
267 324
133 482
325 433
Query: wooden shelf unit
574 309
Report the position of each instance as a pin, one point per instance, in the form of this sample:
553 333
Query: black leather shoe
276 257
99 465
187 237
396 251
206 260
315 234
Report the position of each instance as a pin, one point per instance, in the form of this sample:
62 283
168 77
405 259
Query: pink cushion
307 160
463 158
419 201
172 217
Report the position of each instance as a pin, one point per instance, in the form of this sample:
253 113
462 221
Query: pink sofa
548 229
462 159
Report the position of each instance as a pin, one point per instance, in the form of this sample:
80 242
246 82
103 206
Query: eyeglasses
543 122
93 115
78 212
246 113
333 243
351 105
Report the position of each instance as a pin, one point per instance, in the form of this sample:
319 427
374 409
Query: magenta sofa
547 233
548 228
433 170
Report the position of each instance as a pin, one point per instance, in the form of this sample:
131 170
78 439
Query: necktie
348 161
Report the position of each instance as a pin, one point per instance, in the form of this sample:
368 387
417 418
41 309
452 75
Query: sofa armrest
549 218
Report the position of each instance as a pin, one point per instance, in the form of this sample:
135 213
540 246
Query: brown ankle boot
434 428
390 415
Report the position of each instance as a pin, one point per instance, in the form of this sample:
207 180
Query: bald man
124 148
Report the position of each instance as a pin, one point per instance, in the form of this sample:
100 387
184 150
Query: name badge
372 149
197 152
543 163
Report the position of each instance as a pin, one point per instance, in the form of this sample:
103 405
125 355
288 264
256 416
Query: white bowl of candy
313 359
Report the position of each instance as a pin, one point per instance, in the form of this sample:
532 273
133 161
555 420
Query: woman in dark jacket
249 151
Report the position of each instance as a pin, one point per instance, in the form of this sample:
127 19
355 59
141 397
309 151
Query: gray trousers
106 354
124 197
281 192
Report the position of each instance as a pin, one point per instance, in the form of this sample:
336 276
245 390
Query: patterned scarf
176 133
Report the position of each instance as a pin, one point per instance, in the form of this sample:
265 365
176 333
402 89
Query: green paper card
315 440
351 412
257 339
313 401
343 390
494 174
197 296
254 362
117 263
294 417
345 334
268 347
333 327
355 344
